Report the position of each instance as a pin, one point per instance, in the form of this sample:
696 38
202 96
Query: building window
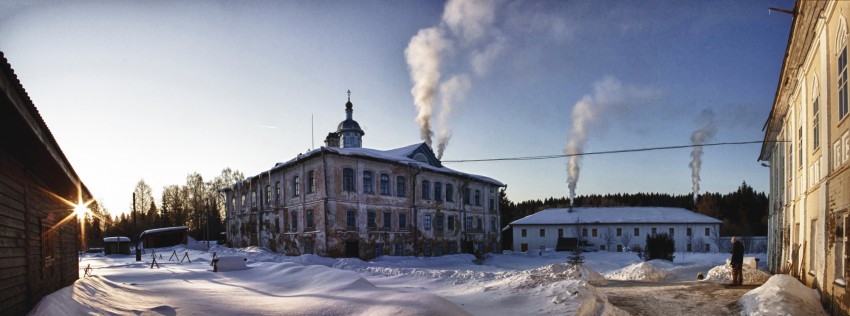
277 192
427 221
351 219
637 231
438 191
399 249
619 232
450 194
253 198
524 233
707 247
478 223
438 221
388 220
466 196
800 144
348 180
560 232
594 232
707 231
379 250
311 182
492 204
402 221
815 125
400 187
385 184
308 247
451 224
452 248
841 242
689 248
268 195
477 197
468 223
688 232
493 224
584 232
308 218
672 232
426 249
242 203
277 224
542 232
842 84
426 190
654 231
368 182
296 186
602 247
370 219
294 226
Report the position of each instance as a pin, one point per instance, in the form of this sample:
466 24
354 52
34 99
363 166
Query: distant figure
700 276
737 261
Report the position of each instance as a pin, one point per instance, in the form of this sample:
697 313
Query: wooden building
39 235
116 245
342 200
165 237
807 146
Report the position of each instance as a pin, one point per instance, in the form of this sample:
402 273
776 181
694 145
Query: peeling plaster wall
269 223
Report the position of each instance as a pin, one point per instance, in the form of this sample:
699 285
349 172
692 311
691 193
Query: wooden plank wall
26 212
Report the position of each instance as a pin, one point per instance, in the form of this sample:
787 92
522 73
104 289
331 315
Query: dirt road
680 298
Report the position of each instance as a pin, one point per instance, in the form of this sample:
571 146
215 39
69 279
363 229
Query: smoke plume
464 22
451 90
705 131
609 99
423 60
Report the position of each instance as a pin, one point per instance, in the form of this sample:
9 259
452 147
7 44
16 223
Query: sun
81 210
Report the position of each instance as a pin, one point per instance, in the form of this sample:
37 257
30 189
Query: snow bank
723 274
782 295
641 271
271 288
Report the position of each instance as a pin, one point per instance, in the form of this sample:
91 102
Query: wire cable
608 152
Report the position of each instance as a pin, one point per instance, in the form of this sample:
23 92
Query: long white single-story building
616 228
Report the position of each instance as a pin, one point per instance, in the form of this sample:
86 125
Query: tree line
743 212
197 204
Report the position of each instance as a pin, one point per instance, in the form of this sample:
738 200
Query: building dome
349 130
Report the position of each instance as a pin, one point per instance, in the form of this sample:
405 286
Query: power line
609 152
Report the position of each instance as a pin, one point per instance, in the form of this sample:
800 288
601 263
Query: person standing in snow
737 261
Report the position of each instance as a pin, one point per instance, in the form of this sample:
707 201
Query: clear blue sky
155 90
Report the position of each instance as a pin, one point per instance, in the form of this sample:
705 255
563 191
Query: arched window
368 182
385 184
348 180
450 193
400 186
841 51
438 191
294 220
426 190
477 197
308 219
296 186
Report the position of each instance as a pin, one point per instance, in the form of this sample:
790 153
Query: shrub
659 246
576 258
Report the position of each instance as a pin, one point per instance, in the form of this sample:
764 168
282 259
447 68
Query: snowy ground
507 284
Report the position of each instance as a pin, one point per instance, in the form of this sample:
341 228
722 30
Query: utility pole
136 230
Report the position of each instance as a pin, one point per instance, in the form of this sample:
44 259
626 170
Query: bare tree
144 197
718 241
699 244
626 239
609 237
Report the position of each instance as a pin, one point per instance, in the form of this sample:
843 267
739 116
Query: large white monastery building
616 228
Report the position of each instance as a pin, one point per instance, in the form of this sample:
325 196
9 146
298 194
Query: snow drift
641 271
781 295
723 274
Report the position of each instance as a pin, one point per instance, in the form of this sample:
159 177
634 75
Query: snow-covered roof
615 215
399 155
164 229
116 239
